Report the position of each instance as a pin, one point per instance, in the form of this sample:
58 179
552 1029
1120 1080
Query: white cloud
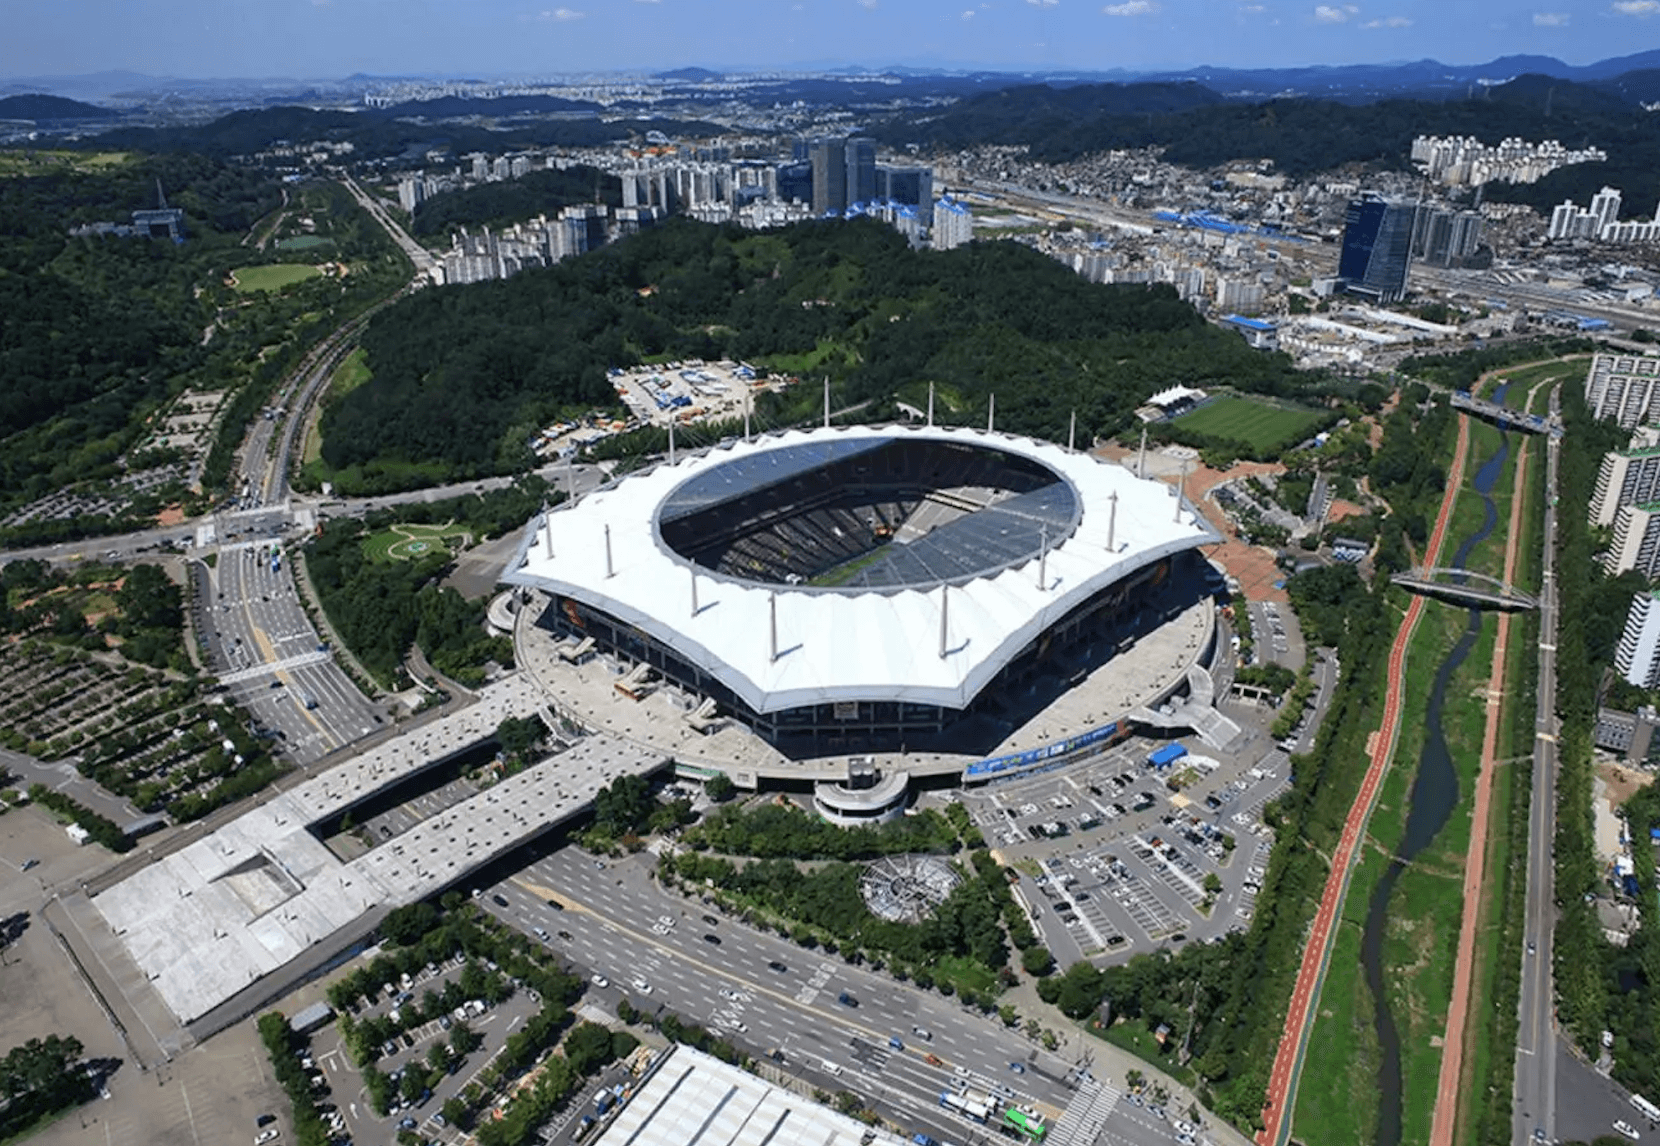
968 15
1550 19
1043 3
1637 7
1131 8
1389 22
560 14
648 1
1253 9
867 5
1328 14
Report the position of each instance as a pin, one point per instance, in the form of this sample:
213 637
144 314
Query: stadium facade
860 586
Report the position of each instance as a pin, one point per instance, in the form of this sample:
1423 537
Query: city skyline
336 38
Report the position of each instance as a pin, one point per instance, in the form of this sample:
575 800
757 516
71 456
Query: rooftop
783 646
695 1099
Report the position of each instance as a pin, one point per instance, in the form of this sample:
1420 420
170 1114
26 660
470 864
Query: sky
315 39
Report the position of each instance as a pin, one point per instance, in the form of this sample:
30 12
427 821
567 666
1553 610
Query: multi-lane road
1536 1035
768 995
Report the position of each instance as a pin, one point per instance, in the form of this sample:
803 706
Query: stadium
868 590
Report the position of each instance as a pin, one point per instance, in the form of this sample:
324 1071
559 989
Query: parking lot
1120 856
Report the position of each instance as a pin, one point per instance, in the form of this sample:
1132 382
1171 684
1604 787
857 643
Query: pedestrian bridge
1465 587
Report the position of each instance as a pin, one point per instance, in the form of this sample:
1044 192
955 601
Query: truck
308 1019
603 1102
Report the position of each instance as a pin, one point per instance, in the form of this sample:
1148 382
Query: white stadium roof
841 644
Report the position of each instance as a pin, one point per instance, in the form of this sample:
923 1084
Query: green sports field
273 277
1263 426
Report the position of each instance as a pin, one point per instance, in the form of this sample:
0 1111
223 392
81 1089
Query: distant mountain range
1634 77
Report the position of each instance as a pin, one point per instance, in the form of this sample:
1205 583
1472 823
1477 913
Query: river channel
1434 796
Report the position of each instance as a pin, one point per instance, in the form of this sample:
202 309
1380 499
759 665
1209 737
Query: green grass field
273 277
1251 421
409 542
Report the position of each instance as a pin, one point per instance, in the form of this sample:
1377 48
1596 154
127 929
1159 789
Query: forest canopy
463 376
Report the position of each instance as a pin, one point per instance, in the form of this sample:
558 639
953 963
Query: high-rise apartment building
912 186
1637 656
1627 477
1636 543
1377 246
953 224
1624 387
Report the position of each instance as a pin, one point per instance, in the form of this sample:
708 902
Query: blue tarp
1166 755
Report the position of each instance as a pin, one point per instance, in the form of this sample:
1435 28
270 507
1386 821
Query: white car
729 993
831 1067
271 1135
1625 1128
666 920
640 985
599 980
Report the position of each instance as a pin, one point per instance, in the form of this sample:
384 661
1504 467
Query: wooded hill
463 376
1303 136
515 200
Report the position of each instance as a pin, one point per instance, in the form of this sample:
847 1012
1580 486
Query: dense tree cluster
780 830
463 377
1302 136
285 1047
512 200
40 1078
383 608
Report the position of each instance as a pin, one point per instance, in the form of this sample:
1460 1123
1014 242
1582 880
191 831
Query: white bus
1646 1108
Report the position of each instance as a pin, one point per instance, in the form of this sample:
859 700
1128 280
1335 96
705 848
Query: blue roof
1251 323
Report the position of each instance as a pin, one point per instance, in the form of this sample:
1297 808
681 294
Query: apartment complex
1637 657
1625 388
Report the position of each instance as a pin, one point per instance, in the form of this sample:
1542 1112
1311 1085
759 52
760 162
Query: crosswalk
1085 1116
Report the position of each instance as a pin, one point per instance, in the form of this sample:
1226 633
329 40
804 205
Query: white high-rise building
1637 656
1627 477
1624 387
953 224
1636 543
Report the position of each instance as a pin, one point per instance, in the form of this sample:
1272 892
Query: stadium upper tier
859 564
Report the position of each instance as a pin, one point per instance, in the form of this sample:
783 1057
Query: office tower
861 170
829 176
1637 656
1377 244
912 186
795 182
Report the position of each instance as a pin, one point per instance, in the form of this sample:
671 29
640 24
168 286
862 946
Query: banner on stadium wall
1047 752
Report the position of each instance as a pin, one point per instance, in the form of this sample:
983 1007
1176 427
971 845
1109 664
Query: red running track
1288 1060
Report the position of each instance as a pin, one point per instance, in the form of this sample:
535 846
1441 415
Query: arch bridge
1465 587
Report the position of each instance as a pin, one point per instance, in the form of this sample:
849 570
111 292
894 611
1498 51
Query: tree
464 1040
405 926
1037 960
1080 990
720 788
588 1047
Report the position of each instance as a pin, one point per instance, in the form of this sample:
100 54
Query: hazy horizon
332 39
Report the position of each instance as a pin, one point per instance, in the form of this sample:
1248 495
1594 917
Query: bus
1646 1108
1026 1120
974 1107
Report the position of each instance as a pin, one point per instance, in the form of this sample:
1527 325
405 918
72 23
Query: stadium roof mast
1141 464
827 401
610 571
991 414
1112 521
547 530
930 404
1072 431
749 401
671 439
692 569
1043 557
772 606
1181 488
945 615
